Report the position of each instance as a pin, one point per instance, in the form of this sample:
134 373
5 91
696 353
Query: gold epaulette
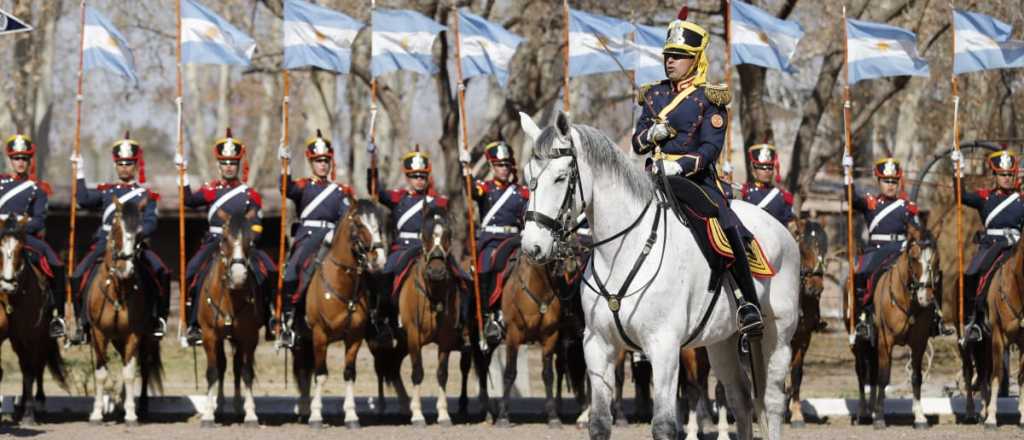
718 94
641 93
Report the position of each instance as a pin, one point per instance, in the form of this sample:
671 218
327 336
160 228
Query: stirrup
79 337
973 333
749 319
160 329
863 328
193 336
57 328
285 339
493 332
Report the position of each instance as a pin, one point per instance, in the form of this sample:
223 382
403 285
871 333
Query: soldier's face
417 182
764 175
20 164
890 187
677 66
1004 181
126 170
502 172
321 167
229 169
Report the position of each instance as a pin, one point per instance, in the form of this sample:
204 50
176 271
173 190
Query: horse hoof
921 425
316 425
581 425
352 425
419 423
554 424
991 427
503 422
879 424
797 424
207 424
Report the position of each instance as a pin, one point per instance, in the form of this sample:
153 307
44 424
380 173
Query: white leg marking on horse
101 386
317 405
250 405
416 406
128 374
350 402
723 422
442 405
692 427
211 402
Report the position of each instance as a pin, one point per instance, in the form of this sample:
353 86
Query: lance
848 176
74 165
181 177
565 57
284 203
958 177
727 158
372 147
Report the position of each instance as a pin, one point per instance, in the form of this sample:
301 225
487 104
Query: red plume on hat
142 159
683 13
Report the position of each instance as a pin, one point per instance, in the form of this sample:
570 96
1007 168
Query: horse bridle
17 270
361 251
817 271
563 227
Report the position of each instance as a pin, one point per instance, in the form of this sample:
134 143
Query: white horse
576 165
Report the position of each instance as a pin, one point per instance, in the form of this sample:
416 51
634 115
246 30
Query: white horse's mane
601 154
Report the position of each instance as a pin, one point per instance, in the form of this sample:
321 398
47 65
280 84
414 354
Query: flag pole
373 119
848 176
75 165
958 176
466 173
285 163
565 57
727 158
182 287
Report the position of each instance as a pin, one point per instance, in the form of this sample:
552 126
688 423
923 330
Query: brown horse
336 305
904 311
23 306
428 309
531 307
230 310
1006 319
813 247
117 309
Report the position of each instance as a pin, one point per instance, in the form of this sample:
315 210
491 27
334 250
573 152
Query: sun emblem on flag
320 37
883 46
763 37
212 33
406 44
111 43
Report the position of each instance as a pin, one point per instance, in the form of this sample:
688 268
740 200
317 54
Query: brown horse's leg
512 341
443 418
918 345
549 344
128 373
465 364
1020 377
967 372
416 359
248 373
620 376
882 378
688 384
316 405
796 377
863 362
28 376
236 368
215 363
351 352
99 347
995 369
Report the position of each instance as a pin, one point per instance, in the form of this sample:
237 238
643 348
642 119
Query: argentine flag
403 40
206 38
487 48
597 44
879 50
104 47
646 58
317 36
761 39
982 43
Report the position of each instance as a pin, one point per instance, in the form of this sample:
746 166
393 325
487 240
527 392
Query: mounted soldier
21 194
683 124
234 197
321 204
502 202
128 158
1002 215
407 207
764 191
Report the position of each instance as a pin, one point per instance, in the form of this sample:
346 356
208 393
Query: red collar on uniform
19 177
231 183
761 185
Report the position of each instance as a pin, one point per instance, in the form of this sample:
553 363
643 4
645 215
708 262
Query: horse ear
223 216
563 124
529 126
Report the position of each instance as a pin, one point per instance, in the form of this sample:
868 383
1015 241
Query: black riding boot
57 301
270 308
748 310
78 300
975 329
193 336
864 328
286 338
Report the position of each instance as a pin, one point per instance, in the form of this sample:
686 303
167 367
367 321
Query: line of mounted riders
381 271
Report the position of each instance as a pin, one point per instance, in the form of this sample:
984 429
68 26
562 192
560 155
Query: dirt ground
82 431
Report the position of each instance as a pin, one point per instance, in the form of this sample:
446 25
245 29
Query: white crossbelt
318 200
888 237
501 229
217 230
497 205
124 198
323 224
884 213
15 191
768 198
1002 232
411 212
1001 206
224 199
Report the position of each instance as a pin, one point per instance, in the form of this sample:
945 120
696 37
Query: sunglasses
321 161
678 56
227 163
125 163
1004 174
891 181
764 167
19 159
418 176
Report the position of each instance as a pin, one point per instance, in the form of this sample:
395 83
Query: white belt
888 237
216 230
501 229
106 228
1003 232
409 235
323 224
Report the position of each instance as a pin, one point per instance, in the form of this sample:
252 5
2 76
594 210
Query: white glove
186 181
283 153
371 148
657 133
848 169
727 168
76 160
958 161
847 161
464 156
671 167
180 161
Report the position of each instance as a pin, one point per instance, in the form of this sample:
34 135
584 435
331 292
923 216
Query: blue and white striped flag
317 36
646 58
879 50
403 40
206 38
761 39
104 47
597 44
983 43
10 24
487 48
